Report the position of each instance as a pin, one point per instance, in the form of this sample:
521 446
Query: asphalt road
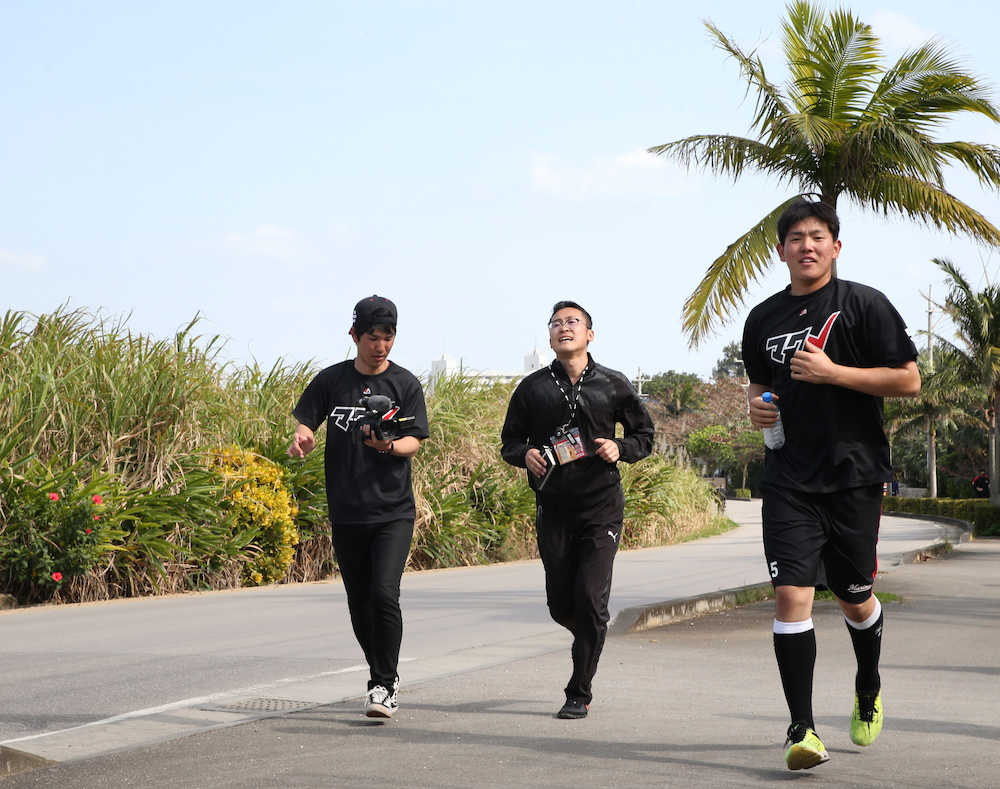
152 670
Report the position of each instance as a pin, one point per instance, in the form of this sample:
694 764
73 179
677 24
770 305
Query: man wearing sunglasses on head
560 426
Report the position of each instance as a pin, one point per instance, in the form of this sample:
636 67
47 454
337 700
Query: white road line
196 700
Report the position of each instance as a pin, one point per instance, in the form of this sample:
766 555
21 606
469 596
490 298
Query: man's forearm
880 381
406 446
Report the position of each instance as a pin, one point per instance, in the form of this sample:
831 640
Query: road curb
13 761
647 617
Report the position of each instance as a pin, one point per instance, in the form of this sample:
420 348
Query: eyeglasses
569 323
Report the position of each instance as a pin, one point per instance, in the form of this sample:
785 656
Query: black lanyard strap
574 390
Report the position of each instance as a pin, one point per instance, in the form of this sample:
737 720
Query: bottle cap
767 397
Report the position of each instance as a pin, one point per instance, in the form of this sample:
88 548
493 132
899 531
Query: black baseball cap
373 311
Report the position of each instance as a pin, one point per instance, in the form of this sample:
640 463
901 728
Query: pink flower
57 577
96 518
97 499
53 497
87 531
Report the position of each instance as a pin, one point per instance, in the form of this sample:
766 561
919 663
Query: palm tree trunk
994 492
931 459
830 198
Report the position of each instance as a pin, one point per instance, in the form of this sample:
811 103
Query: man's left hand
381 446
812 365
607 449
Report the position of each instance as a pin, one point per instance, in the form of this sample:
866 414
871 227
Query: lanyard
574 390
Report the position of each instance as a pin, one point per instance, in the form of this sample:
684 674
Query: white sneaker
379 703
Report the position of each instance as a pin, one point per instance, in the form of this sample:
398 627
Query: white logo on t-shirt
782 346
343 415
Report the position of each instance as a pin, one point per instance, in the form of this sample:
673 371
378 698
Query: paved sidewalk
82 681
696 704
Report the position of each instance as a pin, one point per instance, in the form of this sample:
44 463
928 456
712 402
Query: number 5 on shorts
774 569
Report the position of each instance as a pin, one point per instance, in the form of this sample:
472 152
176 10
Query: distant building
447 366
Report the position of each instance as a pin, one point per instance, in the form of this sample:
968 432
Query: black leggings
578 551
371 557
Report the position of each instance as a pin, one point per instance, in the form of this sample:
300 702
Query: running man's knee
859 612
793 603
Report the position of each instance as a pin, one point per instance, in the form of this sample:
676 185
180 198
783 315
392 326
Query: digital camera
382 416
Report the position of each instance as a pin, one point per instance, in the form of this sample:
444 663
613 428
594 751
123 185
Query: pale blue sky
267 165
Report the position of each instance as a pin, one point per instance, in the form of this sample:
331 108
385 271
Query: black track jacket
538 407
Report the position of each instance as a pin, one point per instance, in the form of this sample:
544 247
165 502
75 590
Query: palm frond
838 72
925 85
983 161
726 155
724 286
799 32
891 146
916 199
771 104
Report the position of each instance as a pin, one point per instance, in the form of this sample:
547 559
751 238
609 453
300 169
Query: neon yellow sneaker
866 722
803 748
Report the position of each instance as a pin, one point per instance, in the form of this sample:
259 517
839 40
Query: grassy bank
131 465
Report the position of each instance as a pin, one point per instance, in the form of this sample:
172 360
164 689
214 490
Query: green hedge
979 512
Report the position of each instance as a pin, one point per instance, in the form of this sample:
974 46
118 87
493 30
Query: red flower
97 499
53 497
87 531
96 518
57 577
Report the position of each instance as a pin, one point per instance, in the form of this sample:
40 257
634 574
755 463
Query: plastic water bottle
774 436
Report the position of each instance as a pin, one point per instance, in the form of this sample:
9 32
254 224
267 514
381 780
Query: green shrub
741 493
53 532
979 512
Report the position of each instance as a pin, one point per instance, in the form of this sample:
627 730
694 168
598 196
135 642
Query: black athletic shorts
841 529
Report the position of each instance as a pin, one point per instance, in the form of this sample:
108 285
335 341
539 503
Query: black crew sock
796 654
867 649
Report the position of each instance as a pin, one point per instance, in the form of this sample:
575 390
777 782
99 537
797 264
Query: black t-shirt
363 486
833 436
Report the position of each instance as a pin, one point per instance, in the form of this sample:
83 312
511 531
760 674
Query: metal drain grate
260 705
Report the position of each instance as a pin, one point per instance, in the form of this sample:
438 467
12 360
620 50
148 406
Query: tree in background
976 316
945 402
711 446
844 125
731 363
679 392
748 447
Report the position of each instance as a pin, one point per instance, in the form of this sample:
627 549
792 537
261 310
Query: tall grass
87 405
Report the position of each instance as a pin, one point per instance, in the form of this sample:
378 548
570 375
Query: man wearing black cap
560 426
368 487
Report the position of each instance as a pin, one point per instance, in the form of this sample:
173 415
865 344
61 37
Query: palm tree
843 125
976 317
945 401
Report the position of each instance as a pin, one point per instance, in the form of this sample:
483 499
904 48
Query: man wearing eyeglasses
560 426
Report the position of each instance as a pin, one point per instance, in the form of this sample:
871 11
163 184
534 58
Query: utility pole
930 331
931 431
639 379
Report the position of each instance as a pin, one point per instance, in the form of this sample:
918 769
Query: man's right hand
763 414
302 442
535 462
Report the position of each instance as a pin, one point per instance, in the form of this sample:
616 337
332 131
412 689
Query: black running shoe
573 708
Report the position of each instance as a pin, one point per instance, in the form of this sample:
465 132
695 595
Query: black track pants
578 553
371 557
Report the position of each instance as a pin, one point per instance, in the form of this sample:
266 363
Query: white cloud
631 174
21 260
897 33
271 242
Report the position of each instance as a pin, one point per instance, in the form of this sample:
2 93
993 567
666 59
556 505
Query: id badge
568 446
